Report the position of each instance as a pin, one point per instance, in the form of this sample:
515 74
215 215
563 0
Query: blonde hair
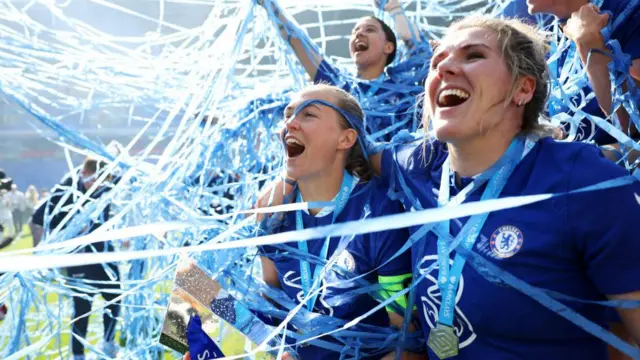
523 48
32 194
356 164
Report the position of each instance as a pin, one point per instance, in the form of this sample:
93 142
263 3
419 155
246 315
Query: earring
520 103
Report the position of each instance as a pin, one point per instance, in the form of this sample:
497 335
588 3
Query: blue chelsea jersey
363 254
389 101
581 245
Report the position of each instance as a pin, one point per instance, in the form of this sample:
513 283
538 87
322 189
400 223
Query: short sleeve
268 229
397 163
388 243
267 250
373 250
604 223
327 74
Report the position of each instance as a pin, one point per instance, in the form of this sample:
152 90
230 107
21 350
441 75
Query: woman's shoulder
415 154
583 164
372 196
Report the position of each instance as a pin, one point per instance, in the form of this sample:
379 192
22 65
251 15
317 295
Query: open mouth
360 46
294 147
452 97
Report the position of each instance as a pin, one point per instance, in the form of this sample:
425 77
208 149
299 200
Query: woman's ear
348 138
388 48
525 91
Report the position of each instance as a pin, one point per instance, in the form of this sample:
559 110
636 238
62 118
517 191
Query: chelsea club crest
346 261
506 241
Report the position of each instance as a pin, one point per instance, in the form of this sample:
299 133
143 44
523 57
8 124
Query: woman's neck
321 188
476 156
567 7
371 72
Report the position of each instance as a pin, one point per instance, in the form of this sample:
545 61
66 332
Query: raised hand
584 25
389 5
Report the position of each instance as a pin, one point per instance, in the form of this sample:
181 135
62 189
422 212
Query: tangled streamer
210 100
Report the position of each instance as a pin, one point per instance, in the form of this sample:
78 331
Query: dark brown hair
95 166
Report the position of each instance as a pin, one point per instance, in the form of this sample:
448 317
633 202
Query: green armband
392 285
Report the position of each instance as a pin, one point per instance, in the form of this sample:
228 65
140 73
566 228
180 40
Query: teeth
456 92
293 141
359 44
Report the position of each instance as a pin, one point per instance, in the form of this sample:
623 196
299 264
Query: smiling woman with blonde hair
484 97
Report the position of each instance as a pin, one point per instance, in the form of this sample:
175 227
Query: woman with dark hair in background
373 47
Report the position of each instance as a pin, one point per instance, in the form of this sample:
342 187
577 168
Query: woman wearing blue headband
325 155
490 297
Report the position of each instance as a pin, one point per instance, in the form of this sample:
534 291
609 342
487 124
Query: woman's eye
309 114
475 55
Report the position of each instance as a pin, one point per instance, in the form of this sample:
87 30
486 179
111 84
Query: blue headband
352 119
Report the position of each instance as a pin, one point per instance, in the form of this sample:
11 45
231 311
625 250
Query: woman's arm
274 194
630 317
269 272
300 42
406 29
635 70
584 29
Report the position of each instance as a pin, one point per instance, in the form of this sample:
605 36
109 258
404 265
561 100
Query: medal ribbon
305 268
497 176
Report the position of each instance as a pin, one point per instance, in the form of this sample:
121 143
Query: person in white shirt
6 216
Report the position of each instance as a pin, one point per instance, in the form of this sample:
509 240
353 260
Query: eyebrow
292 109
288 109
469 46
365 26
466 47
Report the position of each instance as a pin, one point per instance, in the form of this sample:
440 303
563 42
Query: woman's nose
292 123
447 66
